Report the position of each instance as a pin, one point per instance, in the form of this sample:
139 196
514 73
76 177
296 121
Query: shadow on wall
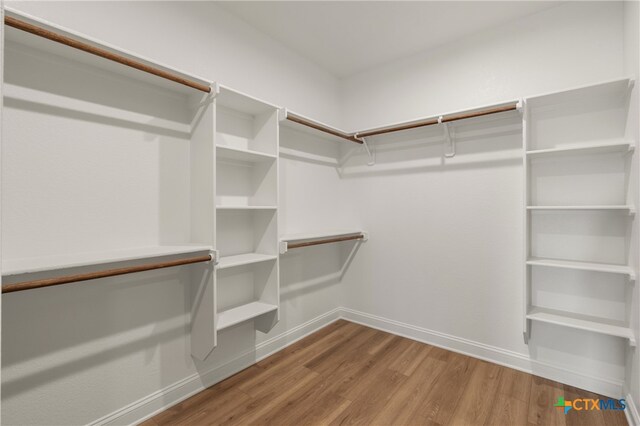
53 334
479 142
305 270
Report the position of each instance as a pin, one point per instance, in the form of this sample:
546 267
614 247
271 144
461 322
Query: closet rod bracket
369 150
449 140
520 106
282 114
215 90
215 257
283 247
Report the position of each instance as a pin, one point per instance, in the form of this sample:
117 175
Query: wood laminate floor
350 374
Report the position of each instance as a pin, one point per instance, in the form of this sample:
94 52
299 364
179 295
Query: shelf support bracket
370 152
449 139
284 247
282 114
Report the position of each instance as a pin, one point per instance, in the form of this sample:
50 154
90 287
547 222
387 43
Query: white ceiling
347 37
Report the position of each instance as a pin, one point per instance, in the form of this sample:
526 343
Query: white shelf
246 207
237 154
243 313
625 208
244 259
585 266
51 47
320 234
326 135
591 148
76 260
238 101
607 90
582 322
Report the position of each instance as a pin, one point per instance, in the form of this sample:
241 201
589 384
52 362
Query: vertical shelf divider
526 278
203 278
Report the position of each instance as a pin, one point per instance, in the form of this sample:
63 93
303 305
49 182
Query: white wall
570 45
206 40
445 252
84 351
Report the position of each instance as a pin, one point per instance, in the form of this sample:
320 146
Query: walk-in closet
286 213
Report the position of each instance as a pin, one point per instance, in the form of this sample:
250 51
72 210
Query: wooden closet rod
305 122
432 121
48 282
326 241
85 47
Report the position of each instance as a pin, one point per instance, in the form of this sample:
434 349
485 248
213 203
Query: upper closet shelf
241 102
615 91
584 266
590 148
292 241
313 127
501 108
45 36
30 265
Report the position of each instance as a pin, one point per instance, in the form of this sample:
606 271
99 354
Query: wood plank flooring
350 374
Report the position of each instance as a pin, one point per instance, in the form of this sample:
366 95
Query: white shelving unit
120 166
576 179
247 274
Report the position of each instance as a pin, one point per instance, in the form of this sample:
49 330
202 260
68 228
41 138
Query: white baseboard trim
161 400
631 412
518 361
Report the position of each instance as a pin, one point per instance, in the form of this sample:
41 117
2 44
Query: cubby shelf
623 208
590 148
584 266
244 259
582 322
246 193
246 207
243 313
246 155
51 263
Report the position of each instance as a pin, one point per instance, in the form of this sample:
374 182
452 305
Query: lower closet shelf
582 322
244 259
243 313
